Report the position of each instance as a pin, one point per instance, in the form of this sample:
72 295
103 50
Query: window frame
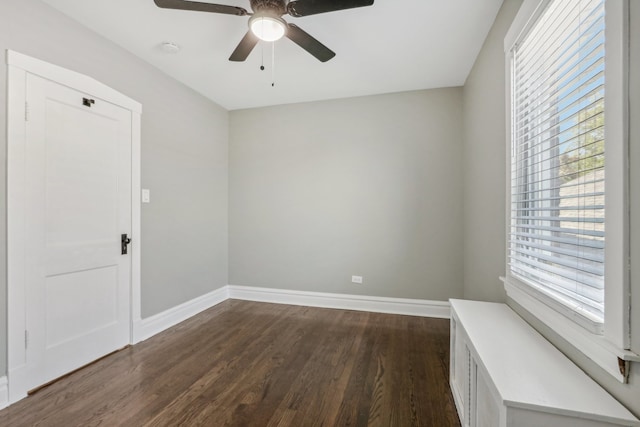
609 349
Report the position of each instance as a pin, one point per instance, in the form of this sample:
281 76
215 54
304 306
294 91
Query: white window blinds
557 234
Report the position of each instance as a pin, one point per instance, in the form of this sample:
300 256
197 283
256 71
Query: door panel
95 288
78 203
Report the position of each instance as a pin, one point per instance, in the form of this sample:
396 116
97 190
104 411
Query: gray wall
184 156
484 185
484 164
365 186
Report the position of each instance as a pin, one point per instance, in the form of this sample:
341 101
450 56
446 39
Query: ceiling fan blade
246 45
308 43
201 7
313 7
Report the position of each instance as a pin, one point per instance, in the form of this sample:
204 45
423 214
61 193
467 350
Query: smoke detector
169 47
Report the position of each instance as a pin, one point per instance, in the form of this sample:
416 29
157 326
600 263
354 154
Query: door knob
124 242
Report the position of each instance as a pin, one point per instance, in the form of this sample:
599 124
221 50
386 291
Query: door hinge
26 111
26 339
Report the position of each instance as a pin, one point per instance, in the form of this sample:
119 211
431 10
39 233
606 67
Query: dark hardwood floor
254 364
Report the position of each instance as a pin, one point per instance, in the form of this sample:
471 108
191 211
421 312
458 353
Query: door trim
18 66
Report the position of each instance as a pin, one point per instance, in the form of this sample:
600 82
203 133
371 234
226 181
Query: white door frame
19 66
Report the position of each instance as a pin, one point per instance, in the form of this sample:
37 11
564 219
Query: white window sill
596 347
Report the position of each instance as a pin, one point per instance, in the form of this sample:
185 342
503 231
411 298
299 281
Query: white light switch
356 279
146 195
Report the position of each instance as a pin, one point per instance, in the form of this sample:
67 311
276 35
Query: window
567 216
557 232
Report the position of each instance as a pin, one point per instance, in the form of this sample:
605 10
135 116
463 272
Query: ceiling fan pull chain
273 64
262 59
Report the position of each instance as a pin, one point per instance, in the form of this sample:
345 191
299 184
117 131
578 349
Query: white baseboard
410 307
4 392
146 328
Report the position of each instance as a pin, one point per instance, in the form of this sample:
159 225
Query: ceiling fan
266 23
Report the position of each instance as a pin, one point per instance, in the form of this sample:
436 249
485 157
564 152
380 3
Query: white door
77 206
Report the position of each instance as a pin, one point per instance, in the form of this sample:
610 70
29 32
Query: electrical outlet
356 279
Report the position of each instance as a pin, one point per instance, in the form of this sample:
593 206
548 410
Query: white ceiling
392 46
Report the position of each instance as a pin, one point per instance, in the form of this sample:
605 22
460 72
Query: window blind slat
568 134
595 255
583 278
564 208
535 197
575 147
548 184
589 296
561 218
562 230
532 237
556 42
571 263
586 64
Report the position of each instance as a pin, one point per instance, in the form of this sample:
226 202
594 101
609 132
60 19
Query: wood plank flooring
254 364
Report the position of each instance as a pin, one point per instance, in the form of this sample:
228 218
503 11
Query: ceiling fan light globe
267 28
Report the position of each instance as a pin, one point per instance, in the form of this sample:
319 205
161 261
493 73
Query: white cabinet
505 374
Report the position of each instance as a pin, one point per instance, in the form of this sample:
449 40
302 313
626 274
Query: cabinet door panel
486 407
459 371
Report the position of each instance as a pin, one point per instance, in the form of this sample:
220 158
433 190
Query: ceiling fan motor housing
271 7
